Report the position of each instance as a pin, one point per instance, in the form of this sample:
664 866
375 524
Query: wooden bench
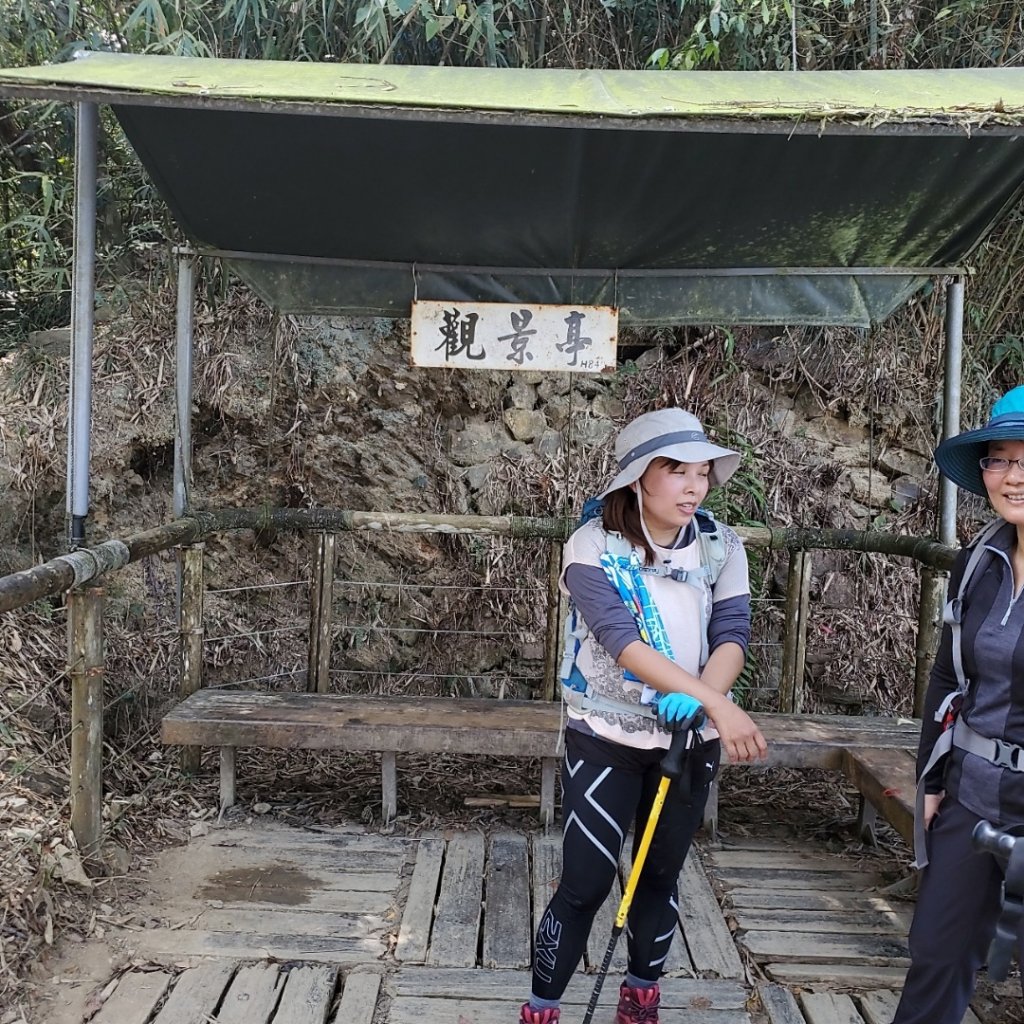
391 725
887 783
866 749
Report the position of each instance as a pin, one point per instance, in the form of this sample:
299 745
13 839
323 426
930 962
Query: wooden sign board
500 336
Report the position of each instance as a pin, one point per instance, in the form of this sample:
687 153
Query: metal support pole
83 300
952 371
183 387
85 668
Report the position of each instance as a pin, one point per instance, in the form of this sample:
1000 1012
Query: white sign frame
514 336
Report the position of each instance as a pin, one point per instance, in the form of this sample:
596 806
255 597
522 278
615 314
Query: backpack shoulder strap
953 612
711 544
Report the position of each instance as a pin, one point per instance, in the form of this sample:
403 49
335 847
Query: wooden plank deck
460 904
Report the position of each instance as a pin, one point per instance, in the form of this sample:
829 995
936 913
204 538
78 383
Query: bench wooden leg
227 778
547 791
866 818
711 810
388 785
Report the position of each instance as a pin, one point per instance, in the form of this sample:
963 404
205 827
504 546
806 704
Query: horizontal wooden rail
66 571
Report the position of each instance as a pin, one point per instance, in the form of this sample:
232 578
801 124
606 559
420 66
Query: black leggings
605 788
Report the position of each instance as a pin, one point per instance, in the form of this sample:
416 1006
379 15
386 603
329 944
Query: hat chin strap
643 522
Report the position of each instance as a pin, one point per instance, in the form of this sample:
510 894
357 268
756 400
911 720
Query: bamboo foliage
35 197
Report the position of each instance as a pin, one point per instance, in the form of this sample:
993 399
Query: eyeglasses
994 464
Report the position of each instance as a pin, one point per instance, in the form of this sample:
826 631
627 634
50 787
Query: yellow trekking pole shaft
671 768
641 854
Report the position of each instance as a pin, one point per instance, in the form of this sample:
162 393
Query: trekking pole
1009 851
671 768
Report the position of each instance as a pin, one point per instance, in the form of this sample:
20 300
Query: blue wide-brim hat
957 457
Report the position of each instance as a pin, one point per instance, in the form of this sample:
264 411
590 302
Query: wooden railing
81 572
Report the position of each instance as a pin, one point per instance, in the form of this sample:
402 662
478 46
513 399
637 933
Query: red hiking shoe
638 1005
528 1016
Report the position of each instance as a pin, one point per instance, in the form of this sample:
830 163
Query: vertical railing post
85 669
803 619
190 633
929 623
552 633
321 612
794 638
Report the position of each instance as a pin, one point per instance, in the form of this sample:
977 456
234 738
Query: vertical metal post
952 370
83 299
183 344
190 630
85 669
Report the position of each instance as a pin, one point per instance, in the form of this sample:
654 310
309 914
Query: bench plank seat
395 725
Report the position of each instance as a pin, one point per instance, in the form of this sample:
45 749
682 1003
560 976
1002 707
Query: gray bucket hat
958 456
668 434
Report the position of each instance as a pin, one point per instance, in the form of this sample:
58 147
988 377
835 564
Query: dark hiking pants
957 908
606 788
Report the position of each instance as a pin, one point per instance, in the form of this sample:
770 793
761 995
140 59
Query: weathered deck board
878 1007
509 986
547 866
811 948
845 922
438 1011
326 902
358 998
780 878
780 1004
290 922
506 933
829 1008
414 934
161 943
708 939
134 999
795 899
834 975
196 994
782 858
252 995
453 939
307 996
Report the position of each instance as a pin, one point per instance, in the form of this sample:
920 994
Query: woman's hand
931 807
740 736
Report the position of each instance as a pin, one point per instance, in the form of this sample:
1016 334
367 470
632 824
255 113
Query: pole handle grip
672 762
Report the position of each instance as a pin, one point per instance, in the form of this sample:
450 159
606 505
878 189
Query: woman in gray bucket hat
971 756
661 601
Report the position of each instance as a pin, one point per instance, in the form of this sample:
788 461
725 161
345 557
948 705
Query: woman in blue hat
662 600
971 761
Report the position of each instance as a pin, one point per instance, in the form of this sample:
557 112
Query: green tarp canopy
680 197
